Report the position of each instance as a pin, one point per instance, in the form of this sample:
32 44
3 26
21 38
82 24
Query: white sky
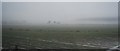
64 12
0 13
60 0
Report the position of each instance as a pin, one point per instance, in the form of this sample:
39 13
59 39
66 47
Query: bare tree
54 22
49 22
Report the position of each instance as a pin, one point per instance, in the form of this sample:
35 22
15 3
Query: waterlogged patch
115 48
22 48
78 44
85 45
38 48
92 46
67 43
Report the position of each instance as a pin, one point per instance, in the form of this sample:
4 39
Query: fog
39 13
60 0
0 25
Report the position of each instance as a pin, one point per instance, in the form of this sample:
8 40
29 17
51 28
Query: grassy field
0 40
60 37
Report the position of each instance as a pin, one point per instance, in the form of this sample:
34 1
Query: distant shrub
71 31
96 30
20 29
88 30
10 28
77 31
40 30
27 29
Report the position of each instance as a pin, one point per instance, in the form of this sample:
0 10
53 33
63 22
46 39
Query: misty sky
0 13
60 0
63 12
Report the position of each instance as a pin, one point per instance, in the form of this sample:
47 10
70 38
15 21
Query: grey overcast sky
60 0
63 12
0 13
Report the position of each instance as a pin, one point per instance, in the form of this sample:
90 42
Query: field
60 36
0 41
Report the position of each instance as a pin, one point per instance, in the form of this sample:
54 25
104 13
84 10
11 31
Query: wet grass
60 37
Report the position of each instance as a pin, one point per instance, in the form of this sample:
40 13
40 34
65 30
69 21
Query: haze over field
61 12
60 25
0 25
